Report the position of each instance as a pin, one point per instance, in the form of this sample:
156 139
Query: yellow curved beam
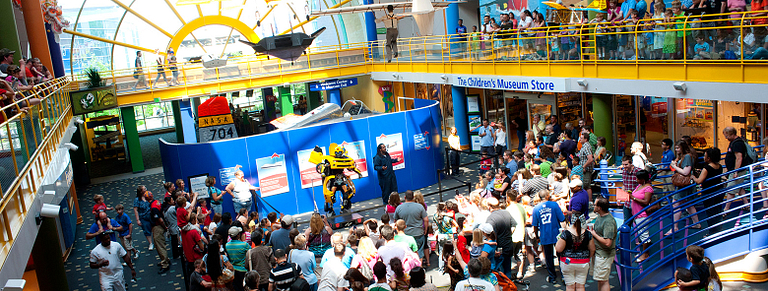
173 8
80 34
212 20
142 18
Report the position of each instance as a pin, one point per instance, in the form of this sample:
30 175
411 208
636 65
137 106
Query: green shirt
546 168
404 238
605 226
236 251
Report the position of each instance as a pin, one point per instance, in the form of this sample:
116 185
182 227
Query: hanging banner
273 175
308 171
394 143
420 141
227 175
356 152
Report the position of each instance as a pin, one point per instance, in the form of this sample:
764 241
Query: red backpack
505 284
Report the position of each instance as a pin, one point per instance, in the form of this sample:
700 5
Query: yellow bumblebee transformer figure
332 167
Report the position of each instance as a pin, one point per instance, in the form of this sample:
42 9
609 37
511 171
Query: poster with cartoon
394 144
308 171
356 152
273 175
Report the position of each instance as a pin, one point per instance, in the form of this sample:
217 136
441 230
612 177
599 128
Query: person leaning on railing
15 74
709 185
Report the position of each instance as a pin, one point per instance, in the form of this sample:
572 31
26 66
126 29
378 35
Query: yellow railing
29 136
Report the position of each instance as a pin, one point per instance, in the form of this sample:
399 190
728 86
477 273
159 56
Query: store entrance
520 108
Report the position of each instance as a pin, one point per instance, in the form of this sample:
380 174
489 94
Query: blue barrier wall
185 160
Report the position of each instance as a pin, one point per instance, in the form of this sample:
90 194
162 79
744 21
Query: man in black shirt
284 273
503 225
223 229
158 235
736 157
521 122
567 147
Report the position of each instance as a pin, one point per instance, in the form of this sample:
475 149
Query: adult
547 217
284 273
281 238
138 72
215 194
390 21
302 106
568 147
105 224
172 65
587 161
683 165
141 210
416 220
169 215
580 199
575 247
510 163
534 185
500 143
454 143
550 136
735 158
391 249
418 280
332 276
349 254
260 259
237 250
503 226
106 257
601 152
240 189
223 229
538 126
556 128
474 282
667 156
641 197
521 125
487 136
711 185
193 246
160 63
318 235
216 263
158 235
6 59
382 163
305 260
604 233
461 31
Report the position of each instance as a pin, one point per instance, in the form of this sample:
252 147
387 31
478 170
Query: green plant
94 78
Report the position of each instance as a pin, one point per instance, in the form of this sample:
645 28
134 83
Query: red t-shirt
28 72
99 207
461 242
181 217
756 6
188 241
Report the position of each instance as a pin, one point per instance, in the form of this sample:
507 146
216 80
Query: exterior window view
382 145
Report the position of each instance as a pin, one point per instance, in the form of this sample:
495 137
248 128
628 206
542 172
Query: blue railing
745 232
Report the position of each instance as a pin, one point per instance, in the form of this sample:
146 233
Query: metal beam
168 2
315 17
142 18
80 34
265 15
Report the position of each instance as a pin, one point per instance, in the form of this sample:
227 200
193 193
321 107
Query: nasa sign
93 99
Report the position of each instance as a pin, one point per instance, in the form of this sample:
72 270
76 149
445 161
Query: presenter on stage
382 163
240 189
390 22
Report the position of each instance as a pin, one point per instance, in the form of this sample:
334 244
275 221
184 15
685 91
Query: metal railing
33 134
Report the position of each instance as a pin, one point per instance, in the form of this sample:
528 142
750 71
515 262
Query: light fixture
50 210
70 146
444 77
582 82
680 86
14 285
395 75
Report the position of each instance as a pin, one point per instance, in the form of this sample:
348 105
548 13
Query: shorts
565 47
643 236
146 227
602 41
735 182
586 178
517 251
601 268
574 273
529 236
127 243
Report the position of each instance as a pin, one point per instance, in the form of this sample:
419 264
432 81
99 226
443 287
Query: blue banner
332 84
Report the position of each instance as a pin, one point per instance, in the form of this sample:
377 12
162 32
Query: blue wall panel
302 139
422 162
264 146
390 124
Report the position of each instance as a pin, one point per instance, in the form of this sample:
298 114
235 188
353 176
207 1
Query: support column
452 21
55 49
35 24
8 29
80 158
334 96
49 261
603 118
284 100
187 122
460 120
370 31
313 98
132 139
176 108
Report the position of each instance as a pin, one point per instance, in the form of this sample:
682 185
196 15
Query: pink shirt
640 194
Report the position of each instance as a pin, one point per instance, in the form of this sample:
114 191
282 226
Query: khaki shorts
735 182
574 273
127 243
601 268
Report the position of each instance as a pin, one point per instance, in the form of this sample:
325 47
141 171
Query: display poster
475 143
91 100
273 176
474 121
308 171
394 143
420 141
356 152
197 185
473 104
227 175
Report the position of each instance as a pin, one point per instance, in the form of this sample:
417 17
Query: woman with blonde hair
366 256
318 235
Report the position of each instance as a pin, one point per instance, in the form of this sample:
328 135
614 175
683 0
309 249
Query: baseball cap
5 52
486 228
576 183
288 219
235 230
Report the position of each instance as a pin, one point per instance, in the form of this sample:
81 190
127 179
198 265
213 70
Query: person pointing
382 163
390 22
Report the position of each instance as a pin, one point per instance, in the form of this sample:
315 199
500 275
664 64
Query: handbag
366 270
680 180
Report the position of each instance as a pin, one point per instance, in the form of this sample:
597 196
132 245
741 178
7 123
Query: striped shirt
534 185
283 275
237 251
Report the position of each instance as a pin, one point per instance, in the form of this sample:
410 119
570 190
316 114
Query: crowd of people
625 31
18 80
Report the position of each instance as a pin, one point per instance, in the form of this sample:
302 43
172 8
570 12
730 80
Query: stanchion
625 258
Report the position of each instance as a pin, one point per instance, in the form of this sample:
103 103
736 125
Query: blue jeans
242 204
313 287
504 264
421 241
216 208
549 257
521 140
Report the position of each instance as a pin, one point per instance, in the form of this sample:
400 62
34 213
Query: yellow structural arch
199 22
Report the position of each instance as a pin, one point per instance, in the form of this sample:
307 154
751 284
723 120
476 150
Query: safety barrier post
604 177
625 258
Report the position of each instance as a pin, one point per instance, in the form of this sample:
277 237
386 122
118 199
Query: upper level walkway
629 51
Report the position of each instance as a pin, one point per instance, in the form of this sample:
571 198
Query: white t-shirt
526 22
113 254
638 161
518 216
501 138
382 285
392 250
333 276
242 190
474 284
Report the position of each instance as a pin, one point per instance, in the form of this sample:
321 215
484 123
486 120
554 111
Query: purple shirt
580 202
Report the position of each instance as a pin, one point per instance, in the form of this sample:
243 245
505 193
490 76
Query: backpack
650 168
505 284
750 151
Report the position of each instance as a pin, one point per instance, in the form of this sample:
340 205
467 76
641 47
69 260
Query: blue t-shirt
580 202
512 166
124 221
487 140
461 29
704 46
666 157
95 228
491 250
547 217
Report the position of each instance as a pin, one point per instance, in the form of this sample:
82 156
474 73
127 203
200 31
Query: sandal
697 226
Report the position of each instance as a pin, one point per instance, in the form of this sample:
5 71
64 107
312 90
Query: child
683 275
714 279
393 203
380 273
125 236
398 282
266 229
202 208
477 244
196 281
699 270
577 169
701 48
253 219
215 222
273 222
485 162
99 205
658 36
452 265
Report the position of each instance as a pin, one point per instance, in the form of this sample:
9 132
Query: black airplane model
287 47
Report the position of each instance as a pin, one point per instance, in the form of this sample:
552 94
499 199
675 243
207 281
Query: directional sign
332 84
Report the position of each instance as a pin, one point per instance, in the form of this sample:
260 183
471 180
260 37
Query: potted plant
94 78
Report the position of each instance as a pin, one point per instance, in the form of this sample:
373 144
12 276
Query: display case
695 118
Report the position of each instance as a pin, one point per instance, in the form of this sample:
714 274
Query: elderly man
106 257
107 225
538 125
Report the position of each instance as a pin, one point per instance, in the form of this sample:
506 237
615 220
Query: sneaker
136 255
531 269
133 280
519 275
124 264
551 280
151 247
